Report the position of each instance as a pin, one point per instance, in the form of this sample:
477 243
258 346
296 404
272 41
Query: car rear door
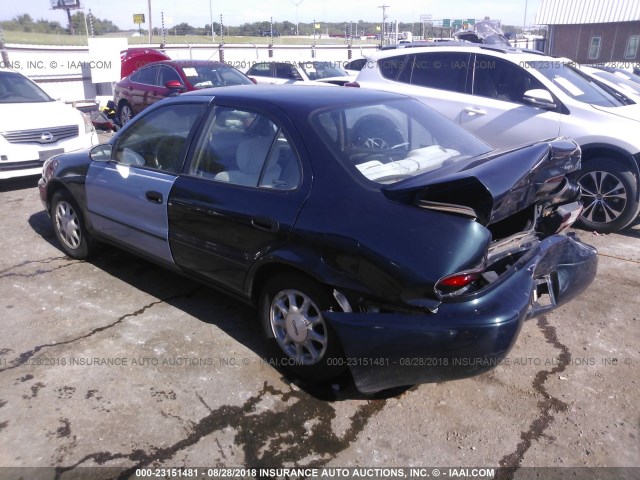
437 78
240 198
496 111
142 83
127 196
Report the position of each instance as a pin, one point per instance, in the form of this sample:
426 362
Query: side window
594 48
444 71
501 80
167 74
260 69
146 76
158 140
631 49
287 71
391 67
245 148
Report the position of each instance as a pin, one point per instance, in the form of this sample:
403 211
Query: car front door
496 111
127 196
240 197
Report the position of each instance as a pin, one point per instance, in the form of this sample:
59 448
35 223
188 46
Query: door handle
153 197
474 111
266 224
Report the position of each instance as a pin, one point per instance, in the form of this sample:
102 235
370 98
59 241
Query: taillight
352 84
457 283
253 80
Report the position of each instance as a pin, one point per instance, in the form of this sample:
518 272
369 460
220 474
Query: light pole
524 27
150 25
297 4
384 19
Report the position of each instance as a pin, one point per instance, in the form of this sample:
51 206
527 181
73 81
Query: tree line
25 23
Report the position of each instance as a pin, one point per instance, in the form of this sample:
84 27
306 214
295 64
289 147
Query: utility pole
384 19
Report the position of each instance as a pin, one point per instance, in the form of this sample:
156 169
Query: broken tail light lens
457 283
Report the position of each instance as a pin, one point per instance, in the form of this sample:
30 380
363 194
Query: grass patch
25 38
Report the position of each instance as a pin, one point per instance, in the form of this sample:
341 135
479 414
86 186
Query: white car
510 97
313 72
34 127
618 81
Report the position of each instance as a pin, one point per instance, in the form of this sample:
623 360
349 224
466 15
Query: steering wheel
375 132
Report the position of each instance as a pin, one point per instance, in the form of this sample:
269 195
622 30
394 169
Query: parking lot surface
118 363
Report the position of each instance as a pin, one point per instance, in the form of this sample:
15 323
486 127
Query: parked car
34 126
509 97
305 71
620 84
158 80
370 232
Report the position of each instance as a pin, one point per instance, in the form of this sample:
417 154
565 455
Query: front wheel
69 227
609 195
125 113
291 309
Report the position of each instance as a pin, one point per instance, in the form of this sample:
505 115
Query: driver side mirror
174 85
540 98
101 153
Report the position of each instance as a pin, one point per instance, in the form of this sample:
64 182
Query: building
592 31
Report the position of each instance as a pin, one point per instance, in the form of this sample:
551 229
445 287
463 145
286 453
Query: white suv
510 97
34 127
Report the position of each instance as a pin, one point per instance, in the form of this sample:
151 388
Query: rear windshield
15 88
396 140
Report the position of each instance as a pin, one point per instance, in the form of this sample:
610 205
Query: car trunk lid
496 186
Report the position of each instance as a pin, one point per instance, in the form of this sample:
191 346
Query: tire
125 113
290 312
609 195
69 226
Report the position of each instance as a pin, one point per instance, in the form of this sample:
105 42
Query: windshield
207 76
317 70
389 142
575 84
15 88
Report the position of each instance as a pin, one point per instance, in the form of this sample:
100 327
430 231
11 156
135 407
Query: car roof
496 50
297 97
188 63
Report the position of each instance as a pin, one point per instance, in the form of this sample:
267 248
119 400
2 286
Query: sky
236 12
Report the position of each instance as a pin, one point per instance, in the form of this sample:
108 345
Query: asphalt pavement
116 362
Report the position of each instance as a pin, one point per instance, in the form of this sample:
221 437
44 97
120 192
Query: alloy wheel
298 327
68 224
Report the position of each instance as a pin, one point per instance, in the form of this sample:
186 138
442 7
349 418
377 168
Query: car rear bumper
385 350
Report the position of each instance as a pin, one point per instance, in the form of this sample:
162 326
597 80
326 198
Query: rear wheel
609 195
291 307
69 227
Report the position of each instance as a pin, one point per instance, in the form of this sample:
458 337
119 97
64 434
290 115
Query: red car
159 80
